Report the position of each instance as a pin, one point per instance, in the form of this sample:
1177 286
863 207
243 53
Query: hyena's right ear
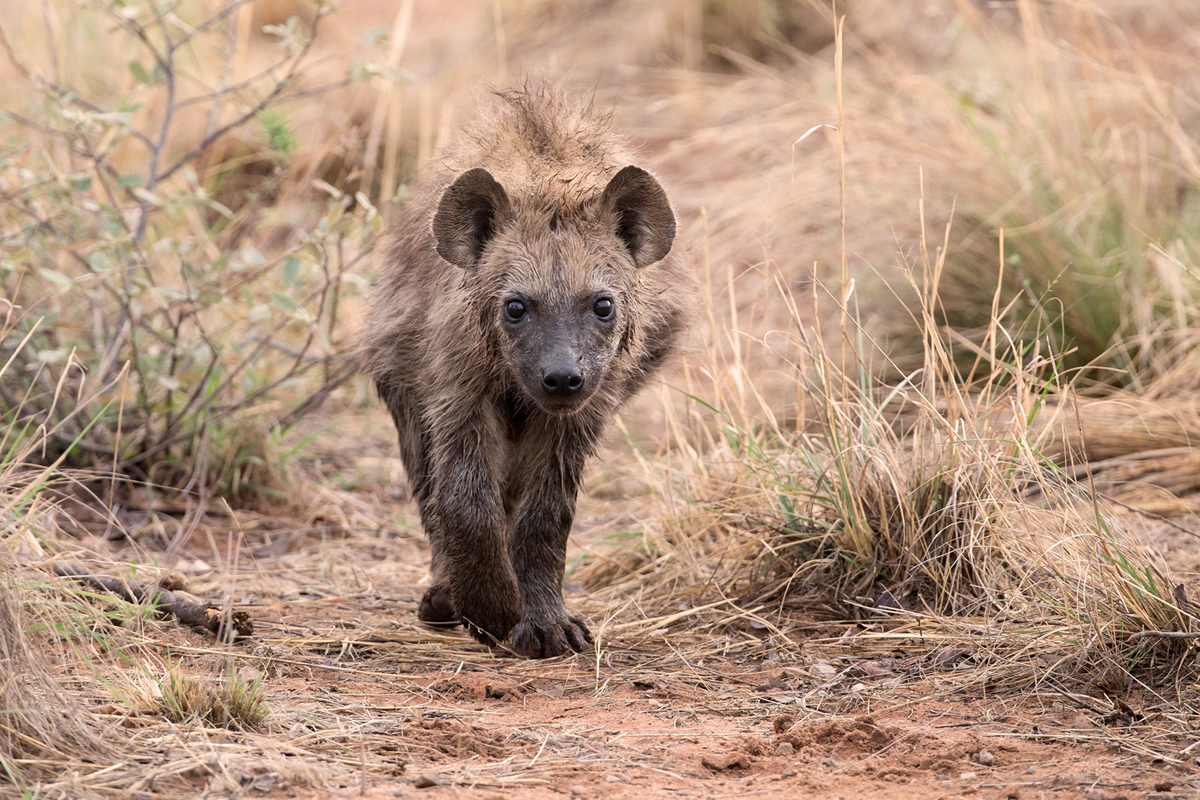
468 216
642 214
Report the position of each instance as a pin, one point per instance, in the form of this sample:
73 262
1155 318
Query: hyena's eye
514 310
603 308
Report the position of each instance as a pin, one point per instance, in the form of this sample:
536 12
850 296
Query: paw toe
551 638
436 607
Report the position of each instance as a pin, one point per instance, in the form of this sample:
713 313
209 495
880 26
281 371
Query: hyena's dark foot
551 635
490 610
436 607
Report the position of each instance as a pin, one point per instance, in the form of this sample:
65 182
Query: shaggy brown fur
529 290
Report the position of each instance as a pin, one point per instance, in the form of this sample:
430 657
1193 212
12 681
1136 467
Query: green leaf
291 271
81 184
139 72
279 134
126 181
251 258
284 303
54 276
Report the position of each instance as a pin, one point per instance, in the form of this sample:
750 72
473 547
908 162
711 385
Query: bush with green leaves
162 268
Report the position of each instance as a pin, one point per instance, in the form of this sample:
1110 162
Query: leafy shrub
183 328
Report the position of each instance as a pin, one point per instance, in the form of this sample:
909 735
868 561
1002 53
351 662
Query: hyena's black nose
562 379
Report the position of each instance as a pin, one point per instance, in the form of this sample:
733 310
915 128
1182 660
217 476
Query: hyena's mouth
560 404
563 406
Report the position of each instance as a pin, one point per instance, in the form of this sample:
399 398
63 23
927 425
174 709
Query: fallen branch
189 612
1162 635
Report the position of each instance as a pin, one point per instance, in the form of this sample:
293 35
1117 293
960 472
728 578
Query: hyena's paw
552 635
436 607
490 618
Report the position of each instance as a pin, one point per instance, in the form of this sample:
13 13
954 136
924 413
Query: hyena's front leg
468 531
537 547
436 607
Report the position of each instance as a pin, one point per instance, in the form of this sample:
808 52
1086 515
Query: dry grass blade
39 720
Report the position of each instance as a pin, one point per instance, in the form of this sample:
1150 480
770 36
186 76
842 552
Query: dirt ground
366 702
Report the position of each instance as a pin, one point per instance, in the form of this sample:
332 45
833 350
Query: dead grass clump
40 724
228 702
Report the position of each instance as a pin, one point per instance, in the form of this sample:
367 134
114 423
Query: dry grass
967 517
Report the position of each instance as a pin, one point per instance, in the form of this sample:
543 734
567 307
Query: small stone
1030 770
264 783
426 782
986 758
967 776
828 762
612 779
1094 794
723 763
785 749
578 790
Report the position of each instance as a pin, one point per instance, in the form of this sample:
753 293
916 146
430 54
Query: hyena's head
556 279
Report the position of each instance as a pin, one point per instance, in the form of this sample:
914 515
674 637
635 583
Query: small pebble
967 776
986 758
785 749
426 782
1030 770
828 762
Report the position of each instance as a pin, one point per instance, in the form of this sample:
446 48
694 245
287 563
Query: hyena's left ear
468 216
643 214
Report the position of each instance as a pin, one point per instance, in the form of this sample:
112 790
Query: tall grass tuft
1080 124
40 723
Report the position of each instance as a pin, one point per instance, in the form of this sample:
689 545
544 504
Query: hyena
529 289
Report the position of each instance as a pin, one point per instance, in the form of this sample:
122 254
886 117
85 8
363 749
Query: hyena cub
528 291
